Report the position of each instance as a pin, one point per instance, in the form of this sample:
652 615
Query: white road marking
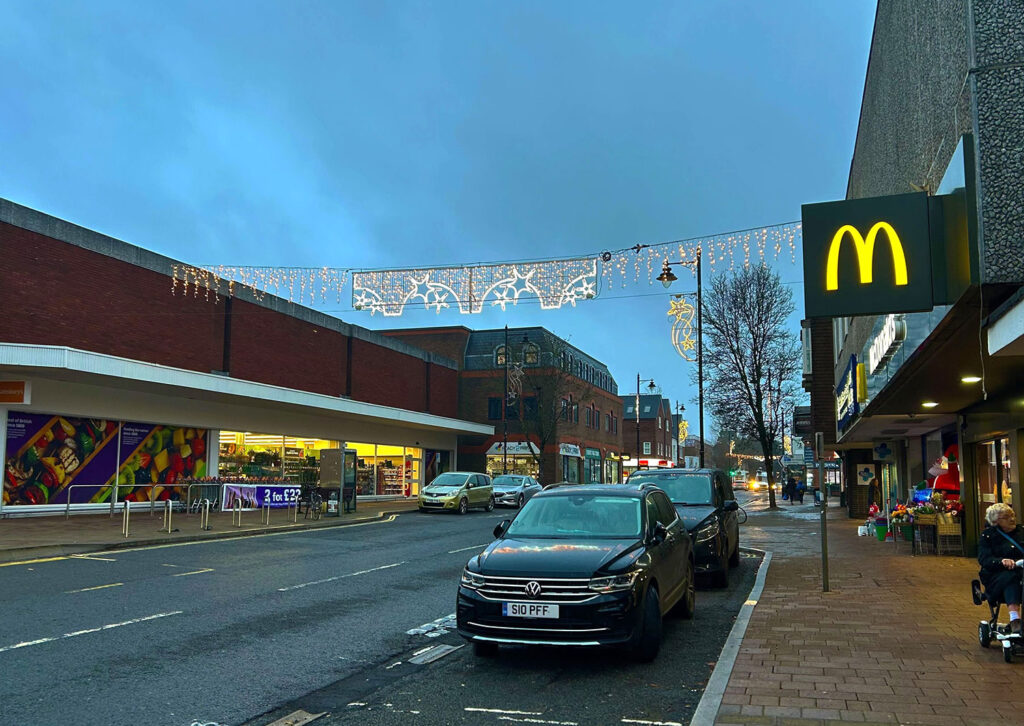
193 572
474 547
89 589
339 577
537 720
90 630
93 558
651 723
472 709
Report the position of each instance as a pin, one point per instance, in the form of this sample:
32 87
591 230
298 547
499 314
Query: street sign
786 460
808 455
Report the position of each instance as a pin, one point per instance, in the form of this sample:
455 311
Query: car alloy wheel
490 504
734 558
520 501
463 506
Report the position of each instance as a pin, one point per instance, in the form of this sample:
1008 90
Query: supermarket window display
387 471
250 455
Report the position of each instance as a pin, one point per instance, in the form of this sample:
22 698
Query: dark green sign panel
867 256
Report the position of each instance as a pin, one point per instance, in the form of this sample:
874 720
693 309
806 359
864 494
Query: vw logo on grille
533 588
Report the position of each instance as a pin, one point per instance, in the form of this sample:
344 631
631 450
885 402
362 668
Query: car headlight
708 531
614 583
472 580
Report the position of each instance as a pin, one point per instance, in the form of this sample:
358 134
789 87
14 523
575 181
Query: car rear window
683 487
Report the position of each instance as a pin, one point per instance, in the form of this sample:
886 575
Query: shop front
613 467
571 459
92 429
592 467
513 457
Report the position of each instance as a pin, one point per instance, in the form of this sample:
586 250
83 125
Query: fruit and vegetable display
56 459
167 456
55 450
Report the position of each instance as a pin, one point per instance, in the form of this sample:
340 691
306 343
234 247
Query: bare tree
549 382
751 358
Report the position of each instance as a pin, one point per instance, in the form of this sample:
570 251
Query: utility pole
504 413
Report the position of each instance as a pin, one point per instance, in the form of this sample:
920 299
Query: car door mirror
731 506
659 534
501 527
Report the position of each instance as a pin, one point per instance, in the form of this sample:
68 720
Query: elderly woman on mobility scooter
1001 556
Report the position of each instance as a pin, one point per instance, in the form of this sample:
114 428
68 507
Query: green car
457 491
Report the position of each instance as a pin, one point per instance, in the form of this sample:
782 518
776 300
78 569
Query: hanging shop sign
515 448
569 450
867 256
887 342
802 420
847 406
593 453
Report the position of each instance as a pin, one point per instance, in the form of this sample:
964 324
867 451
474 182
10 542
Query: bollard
168 511
126 514
204 515
293 504
236 512
265 514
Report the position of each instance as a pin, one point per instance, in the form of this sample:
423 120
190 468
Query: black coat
993 548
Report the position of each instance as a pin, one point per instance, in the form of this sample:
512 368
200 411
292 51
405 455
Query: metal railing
203 495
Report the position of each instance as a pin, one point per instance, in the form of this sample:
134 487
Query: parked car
580 566
513 490
457 491
705 501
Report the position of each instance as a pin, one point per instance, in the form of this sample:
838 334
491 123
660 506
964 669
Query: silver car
513 490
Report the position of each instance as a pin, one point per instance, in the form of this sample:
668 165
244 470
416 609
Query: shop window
530 408
494 409
531 354
499 356
647 448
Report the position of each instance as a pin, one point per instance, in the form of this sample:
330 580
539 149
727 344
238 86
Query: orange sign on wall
15 392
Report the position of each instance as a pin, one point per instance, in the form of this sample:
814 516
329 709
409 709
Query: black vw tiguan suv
580 566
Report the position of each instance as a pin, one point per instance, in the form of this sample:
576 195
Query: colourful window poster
51 458
154 459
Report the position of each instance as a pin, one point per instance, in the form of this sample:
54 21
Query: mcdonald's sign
867 256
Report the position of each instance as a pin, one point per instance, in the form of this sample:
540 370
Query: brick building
100 362
657 432
563 417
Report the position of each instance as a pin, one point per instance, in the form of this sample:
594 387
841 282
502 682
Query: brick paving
895 641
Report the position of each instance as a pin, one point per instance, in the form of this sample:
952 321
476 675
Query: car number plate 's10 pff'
529 610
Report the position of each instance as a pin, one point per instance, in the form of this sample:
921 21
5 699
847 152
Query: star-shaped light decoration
420 288
503 296
362 300
521 283
437 299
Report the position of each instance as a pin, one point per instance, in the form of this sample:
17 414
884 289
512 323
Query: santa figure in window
945 474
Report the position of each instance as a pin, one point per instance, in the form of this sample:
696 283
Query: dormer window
531 354
499 356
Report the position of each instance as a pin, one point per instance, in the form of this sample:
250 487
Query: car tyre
734 558
687 604
422 509
485 649
648 643
520 501
490 504
463 506
720 578
1008 655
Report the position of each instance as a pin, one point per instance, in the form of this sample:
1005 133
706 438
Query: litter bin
817 496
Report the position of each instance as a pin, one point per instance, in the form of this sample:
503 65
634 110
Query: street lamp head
651 385
666 277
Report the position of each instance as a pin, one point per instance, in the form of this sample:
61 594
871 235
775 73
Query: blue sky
409 134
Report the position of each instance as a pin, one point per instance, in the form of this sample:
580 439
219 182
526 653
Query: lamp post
667 278
651 387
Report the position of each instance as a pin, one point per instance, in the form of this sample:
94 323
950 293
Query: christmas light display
469 288
682 328
555 283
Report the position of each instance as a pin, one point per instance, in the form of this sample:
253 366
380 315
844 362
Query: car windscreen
578 516
682 487
448 481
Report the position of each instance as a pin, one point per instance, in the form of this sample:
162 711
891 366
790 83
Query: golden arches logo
865 248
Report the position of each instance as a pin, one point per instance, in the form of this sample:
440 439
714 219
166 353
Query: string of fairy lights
471 288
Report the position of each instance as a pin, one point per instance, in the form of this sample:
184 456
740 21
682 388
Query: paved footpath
895 641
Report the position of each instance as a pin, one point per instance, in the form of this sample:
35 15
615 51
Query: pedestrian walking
790 489
800 487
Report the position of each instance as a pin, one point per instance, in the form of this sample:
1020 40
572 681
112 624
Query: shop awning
92 384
